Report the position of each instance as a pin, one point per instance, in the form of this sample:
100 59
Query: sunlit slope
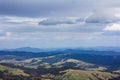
14 71
87 75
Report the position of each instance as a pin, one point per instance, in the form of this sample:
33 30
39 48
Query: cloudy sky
59 23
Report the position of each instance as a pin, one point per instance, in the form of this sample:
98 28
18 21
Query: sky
59 23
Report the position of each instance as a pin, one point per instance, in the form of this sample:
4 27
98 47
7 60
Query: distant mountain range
26 49
65 57
31 49
102 48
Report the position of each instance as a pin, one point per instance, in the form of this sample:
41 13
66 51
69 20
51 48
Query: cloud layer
59 23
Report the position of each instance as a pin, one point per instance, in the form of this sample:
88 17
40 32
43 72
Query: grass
14 71
87 75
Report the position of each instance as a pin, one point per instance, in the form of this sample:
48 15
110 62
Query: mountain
36 50
82 59
31 49
60 64
101 48
25 49
87 75
15 72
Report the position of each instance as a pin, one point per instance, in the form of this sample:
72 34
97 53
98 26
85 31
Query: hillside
52 74
80 59
14 71
87 75
62 64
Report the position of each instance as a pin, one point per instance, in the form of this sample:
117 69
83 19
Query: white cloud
8 33
113 27
20 20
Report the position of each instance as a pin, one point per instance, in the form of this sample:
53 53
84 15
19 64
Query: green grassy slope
14 71
86 75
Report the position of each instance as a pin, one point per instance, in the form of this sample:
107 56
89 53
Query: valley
69 64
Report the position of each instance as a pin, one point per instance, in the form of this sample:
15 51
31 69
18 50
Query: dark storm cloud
32 8
37 8
48 22
102 18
